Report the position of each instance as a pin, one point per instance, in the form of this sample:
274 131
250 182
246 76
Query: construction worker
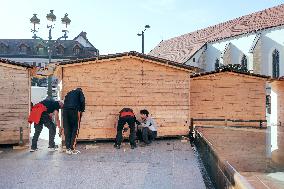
147 130
41 114
126 115
74 106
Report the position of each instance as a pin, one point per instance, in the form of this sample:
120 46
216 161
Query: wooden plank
116 84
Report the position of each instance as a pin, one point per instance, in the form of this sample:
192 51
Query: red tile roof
182 48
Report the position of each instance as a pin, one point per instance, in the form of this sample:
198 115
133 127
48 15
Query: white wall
196 57
272 40
239 46
213 52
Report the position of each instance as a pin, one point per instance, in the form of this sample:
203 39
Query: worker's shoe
76 152
116 146
33 149
53 149
68 151
133 146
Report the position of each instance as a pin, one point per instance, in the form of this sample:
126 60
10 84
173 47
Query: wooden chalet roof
133 54
9 62
195 75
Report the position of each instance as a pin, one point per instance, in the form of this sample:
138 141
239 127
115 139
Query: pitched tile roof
131 53
182 48
6 61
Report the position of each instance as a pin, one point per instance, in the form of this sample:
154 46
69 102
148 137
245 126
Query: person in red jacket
126 115
41 115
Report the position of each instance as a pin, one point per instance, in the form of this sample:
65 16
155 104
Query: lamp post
142 35
51 18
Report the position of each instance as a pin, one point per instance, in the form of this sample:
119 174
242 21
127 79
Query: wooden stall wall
14 103
110 85
227 95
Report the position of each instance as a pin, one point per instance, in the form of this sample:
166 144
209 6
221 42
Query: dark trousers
131 123
146 135
70 125
47 122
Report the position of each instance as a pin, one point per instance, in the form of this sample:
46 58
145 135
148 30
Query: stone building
35 52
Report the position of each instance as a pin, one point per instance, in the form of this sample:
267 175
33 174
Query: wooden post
21 142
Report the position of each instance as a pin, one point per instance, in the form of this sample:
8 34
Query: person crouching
148 128
126 115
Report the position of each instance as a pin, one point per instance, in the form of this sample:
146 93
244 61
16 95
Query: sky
112 26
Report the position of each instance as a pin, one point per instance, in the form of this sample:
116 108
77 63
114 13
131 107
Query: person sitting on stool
147 130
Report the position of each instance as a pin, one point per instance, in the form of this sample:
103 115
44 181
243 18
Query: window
217 64
3 48
40 49
275 64
60 50
244 61
77 50
193 60
268 104
23 49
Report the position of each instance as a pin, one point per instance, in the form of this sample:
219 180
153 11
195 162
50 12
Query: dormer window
60 50
3 48
23 49
40 49
76 50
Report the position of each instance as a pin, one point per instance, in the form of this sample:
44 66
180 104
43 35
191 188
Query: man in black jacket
47 108
74 105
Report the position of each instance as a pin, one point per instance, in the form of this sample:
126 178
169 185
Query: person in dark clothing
126 115
41 114
74 106
147 130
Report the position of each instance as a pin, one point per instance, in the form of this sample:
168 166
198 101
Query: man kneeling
147 130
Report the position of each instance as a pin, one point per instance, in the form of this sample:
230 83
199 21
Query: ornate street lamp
34 20
52 18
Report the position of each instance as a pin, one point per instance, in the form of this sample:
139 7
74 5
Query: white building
254 41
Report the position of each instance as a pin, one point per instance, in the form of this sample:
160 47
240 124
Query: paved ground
164 164
246 150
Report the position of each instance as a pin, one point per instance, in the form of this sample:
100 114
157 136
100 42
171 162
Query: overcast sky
112 25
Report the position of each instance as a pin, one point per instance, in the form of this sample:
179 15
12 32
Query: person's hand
125 130
60 132
58 123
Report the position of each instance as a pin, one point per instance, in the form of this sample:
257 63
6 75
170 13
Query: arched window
60 50
244 61
275 64
217 64
23 49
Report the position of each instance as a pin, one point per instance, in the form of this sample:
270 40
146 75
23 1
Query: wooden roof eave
256 76
169 64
